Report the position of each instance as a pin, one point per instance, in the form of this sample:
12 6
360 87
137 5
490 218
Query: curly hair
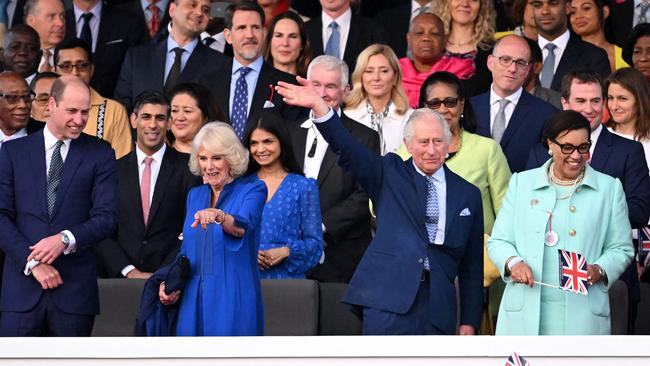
358 93
484 26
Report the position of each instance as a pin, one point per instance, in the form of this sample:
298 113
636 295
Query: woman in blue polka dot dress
291 235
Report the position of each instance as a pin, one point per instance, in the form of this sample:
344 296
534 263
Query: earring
550 152
447 156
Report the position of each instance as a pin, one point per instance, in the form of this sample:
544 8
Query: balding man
21 51
426 40
507 113
47 17
57 200
429 227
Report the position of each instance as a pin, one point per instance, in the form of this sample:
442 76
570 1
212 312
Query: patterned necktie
145 189
548 70
240 103
432 215
499 126
86 34
175 71
333 43
53 176
643 9
154 22
376 122
423 9
45 61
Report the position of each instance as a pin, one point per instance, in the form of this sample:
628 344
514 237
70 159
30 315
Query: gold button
572 208
534 201
572 232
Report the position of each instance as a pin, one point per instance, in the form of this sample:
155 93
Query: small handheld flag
573 272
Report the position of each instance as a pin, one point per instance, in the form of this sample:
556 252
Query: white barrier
289 351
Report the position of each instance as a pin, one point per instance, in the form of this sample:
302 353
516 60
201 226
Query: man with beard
248 79
177 58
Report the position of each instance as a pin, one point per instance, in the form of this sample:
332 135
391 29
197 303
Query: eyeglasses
436 103
506 61
42 98
568 149
68 66
14 98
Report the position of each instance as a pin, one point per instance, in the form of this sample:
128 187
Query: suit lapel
37 159
103 33
351 51
75 156
316 36
571 53
452 200
223 92
602 151
517 120
482 108
260 95
299 142
133 188
70 25
157 65
329 160
164 175
420 184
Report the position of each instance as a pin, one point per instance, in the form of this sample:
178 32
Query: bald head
15 103
426 38
509 64
515 42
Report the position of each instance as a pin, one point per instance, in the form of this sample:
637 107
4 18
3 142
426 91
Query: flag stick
546 284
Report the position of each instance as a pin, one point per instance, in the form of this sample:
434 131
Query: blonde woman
378 99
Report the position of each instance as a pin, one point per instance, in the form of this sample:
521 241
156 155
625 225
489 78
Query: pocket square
115 41
465 212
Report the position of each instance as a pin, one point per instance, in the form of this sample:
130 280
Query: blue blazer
524 128
389 274
86 204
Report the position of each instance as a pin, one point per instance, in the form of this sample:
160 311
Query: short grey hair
219 138
331 63
423 113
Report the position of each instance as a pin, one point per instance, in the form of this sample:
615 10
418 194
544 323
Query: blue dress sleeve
307 249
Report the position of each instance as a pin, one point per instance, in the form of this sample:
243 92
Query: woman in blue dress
222 296
291 238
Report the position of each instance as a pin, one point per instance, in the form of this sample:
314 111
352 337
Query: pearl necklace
561 182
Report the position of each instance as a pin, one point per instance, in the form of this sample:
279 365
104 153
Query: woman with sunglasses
565 205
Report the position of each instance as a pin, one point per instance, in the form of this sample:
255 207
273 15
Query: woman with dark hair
291 236
587 19
192 106
636 50
286 46
564 209
628 101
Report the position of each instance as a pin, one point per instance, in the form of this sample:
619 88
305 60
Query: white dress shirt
4 138
510 107
94 22
560 45
415 8
311 165
344 29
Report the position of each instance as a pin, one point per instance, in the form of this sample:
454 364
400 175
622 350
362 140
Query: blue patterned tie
240 103
333 42
432 214
53 176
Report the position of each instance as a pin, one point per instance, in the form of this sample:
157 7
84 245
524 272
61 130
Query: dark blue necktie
53 176
240 103
86 35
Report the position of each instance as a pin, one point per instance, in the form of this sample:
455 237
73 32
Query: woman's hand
593 274
167 299
272 257
208 216
521 273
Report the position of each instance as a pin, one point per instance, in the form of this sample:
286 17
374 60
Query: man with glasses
41 86
107 119
507 113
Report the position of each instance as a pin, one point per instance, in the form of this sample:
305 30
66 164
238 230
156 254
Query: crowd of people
414 149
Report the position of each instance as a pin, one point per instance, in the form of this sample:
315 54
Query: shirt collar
50 140
513 98
415 6
255 65
96 11
560 41
541 178
157 156
171 43
20 133
161 4
438 175
344 18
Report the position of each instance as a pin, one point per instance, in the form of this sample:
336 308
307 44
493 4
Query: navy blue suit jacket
524 128
86 204
389 274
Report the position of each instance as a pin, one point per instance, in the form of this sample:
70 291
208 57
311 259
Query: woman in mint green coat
566 205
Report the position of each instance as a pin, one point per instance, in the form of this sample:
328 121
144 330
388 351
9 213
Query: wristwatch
65 239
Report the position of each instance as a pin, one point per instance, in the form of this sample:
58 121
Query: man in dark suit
246 82
562 50
343 203
339 33
154 180
155 24
47 17
179 57
109 32
21 51
57 200
582 91
429 227
507 113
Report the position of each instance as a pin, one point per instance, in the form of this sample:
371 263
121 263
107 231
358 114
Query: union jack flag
516 360
644 246
573 272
